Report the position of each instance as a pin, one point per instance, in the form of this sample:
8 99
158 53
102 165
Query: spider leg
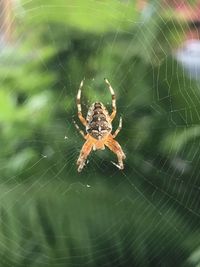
114 146
78 102
80 131
114 109
85 151
118 129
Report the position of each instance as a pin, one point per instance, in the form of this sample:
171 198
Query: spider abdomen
98 125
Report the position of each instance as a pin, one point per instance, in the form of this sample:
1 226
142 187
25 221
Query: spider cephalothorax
98 124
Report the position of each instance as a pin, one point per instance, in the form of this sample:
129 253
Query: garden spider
98 124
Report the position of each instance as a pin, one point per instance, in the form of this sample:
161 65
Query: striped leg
114 109
78 102
118 129
114 146
78 128
85 151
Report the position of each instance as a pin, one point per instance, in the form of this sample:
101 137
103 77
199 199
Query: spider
98 124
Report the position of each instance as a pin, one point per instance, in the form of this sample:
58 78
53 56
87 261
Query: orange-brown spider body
98 124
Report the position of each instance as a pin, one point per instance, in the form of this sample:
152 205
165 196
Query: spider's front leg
114 108
78 102
85 151
114 146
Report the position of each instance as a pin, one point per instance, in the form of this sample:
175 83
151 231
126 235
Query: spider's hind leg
114 146
85 151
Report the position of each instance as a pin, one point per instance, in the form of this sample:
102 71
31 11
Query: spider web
147 214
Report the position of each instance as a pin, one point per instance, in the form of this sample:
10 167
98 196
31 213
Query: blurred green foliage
147 215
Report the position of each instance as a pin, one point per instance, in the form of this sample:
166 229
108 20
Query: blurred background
149 213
